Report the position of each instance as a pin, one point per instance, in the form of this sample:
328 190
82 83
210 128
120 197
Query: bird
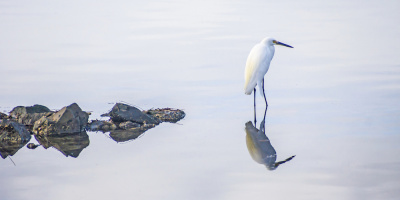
257 66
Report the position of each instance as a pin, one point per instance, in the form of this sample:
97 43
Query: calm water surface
334 99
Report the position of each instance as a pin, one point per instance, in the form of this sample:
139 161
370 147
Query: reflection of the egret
260 147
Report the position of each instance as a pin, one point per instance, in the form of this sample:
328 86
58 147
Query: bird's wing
254 61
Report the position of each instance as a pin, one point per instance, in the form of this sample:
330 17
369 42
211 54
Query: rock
29 115
3 116
100 125
13 130
30 109
167 114
70 119
122 113
95 125
69 145
13 136
32 146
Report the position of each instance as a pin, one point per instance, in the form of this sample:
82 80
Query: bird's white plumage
257 64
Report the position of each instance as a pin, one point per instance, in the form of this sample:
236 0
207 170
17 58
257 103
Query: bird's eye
274 41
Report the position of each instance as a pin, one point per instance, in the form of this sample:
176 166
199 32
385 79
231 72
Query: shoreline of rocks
66 128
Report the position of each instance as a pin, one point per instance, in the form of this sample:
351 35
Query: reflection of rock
129 125
167 114
120 132
129 134
28 115
70 119
69 145
122 113
13 136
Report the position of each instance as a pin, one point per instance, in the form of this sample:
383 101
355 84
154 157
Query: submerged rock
32 146
29 115
95 125
122 113
167 114
13 136
70 119
101 125
69 145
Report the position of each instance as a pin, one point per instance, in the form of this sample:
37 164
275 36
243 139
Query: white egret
257 66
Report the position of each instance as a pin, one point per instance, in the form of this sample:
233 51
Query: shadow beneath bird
260 147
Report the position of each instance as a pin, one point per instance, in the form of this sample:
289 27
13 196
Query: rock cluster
127 122
66 129
16 129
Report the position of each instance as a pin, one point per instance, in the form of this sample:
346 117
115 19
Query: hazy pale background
334 99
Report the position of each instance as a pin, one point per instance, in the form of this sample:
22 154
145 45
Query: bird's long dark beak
283 44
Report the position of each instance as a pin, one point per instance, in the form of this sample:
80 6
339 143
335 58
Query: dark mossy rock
123 112
70 119
167 114
29 115
19 110
13 136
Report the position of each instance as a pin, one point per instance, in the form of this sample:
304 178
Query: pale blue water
333 99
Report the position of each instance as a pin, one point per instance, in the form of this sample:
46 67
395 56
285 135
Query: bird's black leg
255 121
262 124
265 98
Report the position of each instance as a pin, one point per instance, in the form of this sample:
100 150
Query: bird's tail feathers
248 92
249 87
